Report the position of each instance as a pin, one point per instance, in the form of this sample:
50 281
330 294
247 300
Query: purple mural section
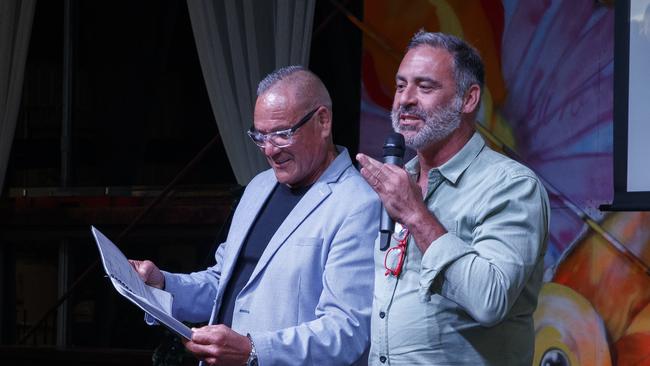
558 64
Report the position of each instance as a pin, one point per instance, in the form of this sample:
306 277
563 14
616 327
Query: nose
407 97
269 149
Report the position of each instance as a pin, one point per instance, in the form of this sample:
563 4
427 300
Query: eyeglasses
394 259
282 138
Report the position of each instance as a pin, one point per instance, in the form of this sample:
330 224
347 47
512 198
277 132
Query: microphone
393 154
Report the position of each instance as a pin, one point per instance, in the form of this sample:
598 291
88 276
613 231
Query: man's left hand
219 345
400 195
402 199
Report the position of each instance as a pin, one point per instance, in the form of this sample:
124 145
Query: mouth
279 162
409 122
409 116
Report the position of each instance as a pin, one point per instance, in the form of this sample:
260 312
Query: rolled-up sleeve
486 274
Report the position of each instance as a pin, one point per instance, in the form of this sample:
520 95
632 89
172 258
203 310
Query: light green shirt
470 298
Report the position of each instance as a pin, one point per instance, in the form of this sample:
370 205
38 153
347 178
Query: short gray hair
277 75
305 85
468 66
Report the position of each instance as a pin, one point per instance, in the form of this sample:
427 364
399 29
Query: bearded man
459 284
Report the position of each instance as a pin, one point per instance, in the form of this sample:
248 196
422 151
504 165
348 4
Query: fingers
380 176
367 161
139 268
397 190
371 170
149 273
134 264
204 344
203 352
218 344
208 334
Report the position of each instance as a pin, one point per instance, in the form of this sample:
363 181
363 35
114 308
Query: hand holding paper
149 273
127 282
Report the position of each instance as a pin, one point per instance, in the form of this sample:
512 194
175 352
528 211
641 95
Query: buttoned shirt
469 298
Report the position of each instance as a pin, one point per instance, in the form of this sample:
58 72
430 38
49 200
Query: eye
282 136
258 136
400 87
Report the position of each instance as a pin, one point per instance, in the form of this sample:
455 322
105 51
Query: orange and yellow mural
549 99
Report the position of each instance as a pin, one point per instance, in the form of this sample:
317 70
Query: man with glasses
459 283
292 284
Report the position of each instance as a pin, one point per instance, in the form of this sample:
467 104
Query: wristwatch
252 357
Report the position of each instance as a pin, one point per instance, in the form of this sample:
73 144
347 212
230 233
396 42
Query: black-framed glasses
282 138
395 256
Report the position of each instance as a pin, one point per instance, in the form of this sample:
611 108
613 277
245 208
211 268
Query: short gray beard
439 123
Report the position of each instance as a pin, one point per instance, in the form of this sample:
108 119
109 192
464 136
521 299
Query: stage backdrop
548 98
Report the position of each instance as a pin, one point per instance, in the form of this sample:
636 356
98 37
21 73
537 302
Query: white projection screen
638 137
632 107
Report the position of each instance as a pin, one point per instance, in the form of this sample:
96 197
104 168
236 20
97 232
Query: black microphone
393 154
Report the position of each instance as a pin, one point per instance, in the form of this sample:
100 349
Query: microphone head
394 145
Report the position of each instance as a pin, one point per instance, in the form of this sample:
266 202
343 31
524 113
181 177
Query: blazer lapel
239 231
312 199
304 208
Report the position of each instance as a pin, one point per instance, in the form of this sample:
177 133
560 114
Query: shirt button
382 314
382 359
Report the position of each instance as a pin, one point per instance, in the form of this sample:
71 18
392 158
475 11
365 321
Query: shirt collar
454 167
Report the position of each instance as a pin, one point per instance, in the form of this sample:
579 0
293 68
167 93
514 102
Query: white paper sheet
125 279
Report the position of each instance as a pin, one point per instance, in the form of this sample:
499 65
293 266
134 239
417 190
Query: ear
472 99
324 116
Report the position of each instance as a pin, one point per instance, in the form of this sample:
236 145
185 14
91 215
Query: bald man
292 284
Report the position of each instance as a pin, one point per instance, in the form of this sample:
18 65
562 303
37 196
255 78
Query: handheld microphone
393 154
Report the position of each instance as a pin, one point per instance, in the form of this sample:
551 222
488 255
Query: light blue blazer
309 299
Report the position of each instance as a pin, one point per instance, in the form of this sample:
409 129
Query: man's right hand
149 273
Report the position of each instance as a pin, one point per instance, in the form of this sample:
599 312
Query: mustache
412 110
